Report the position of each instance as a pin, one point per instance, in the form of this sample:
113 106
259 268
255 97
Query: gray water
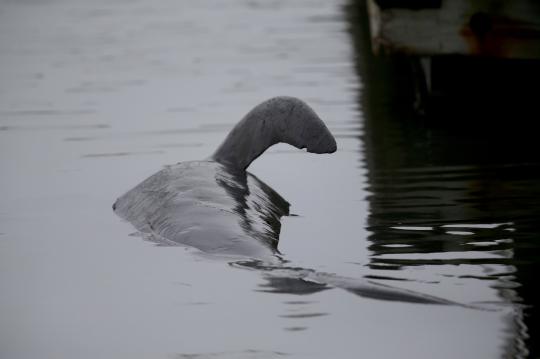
96 96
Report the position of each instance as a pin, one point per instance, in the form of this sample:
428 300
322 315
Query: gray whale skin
215 205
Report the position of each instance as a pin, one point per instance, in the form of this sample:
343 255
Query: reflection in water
455 202
291 286
247 354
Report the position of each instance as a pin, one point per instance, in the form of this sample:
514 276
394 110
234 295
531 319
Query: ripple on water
458 226
244 354
55 127
121 154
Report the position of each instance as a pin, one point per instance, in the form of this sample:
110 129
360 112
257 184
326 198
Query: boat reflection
455 201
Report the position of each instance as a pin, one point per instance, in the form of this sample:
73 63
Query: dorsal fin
279 119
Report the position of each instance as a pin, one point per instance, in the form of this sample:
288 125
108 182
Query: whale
217 207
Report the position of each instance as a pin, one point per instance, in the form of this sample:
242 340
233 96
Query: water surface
96 96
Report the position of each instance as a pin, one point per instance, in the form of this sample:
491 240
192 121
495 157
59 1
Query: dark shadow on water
289 285
460 186
244 354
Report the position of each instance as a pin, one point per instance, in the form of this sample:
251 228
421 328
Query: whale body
209 206
218 207
215 205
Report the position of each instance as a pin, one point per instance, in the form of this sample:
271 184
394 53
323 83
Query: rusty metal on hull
458 27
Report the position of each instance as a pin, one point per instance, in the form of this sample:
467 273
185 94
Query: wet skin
209 206
215 205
